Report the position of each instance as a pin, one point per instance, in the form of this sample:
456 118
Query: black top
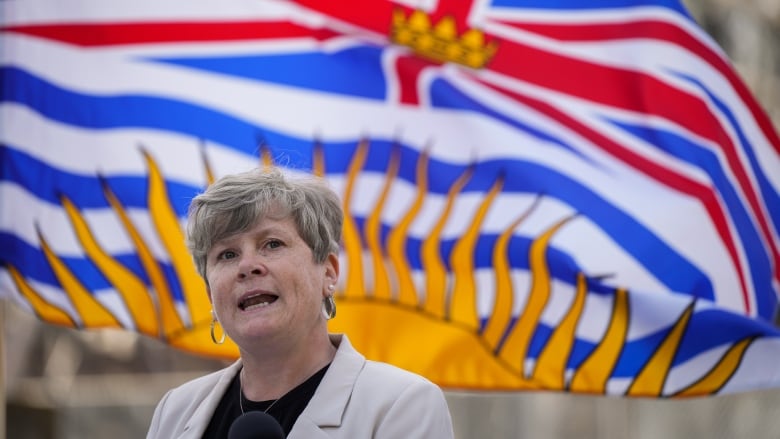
285 411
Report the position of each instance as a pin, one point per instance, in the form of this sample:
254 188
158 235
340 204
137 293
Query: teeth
256 305
257 300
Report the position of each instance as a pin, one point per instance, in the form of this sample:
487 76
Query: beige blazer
356 399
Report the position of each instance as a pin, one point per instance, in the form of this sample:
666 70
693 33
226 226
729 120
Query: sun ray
550 367
463 304
373 231
500 318
91 312
206 168
43 308
352 242
266 159
396 241
721 373
515 350
433 264
170 320
650 380
133 291
170 232
594 372
318 160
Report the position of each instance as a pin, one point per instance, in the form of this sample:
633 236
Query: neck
270 373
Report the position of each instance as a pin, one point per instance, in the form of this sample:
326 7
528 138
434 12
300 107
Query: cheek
215 280
220 301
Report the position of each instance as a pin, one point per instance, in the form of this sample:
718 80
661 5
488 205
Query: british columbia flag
556 195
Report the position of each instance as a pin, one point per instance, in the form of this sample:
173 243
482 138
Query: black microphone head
255 425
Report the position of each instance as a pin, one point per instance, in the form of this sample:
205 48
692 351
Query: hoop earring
328 307
214 322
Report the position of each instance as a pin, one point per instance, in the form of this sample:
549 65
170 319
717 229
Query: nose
251 265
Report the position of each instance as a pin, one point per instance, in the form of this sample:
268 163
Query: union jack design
539 195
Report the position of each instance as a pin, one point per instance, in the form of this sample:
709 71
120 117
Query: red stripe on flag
653 170
662 31
409 69
112 34
375 16
632 91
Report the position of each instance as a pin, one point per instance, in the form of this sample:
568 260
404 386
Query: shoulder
178 405
364 398
391 386
395 402
382 383
376 373
388 375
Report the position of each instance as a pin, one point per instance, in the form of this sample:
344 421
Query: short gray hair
234 203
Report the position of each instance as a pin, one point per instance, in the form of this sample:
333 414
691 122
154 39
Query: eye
227 254
274 243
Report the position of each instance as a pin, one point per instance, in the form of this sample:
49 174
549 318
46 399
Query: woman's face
265 284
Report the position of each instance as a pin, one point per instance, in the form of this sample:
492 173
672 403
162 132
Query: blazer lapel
327 405
202 414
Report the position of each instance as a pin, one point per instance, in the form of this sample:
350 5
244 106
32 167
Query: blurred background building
61 383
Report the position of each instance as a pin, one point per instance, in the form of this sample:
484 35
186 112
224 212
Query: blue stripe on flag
770 197
559 6
32 264
48 183
320 72
103 112
754 248
445 95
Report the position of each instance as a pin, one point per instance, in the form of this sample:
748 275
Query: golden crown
441 41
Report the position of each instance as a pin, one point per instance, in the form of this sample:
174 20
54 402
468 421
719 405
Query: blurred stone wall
749 33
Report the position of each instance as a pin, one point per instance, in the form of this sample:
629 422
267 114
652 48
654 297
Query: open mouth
257 301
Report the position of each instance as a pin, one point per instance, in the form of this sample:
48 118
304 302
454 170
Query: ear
332 269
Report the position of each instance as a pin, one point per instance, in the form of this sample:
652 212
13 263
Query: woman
267 248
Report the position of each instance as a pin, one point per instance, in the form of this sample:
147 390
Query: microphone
255 425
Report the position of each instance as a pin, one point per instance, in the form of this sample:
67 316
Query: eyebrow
263 231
